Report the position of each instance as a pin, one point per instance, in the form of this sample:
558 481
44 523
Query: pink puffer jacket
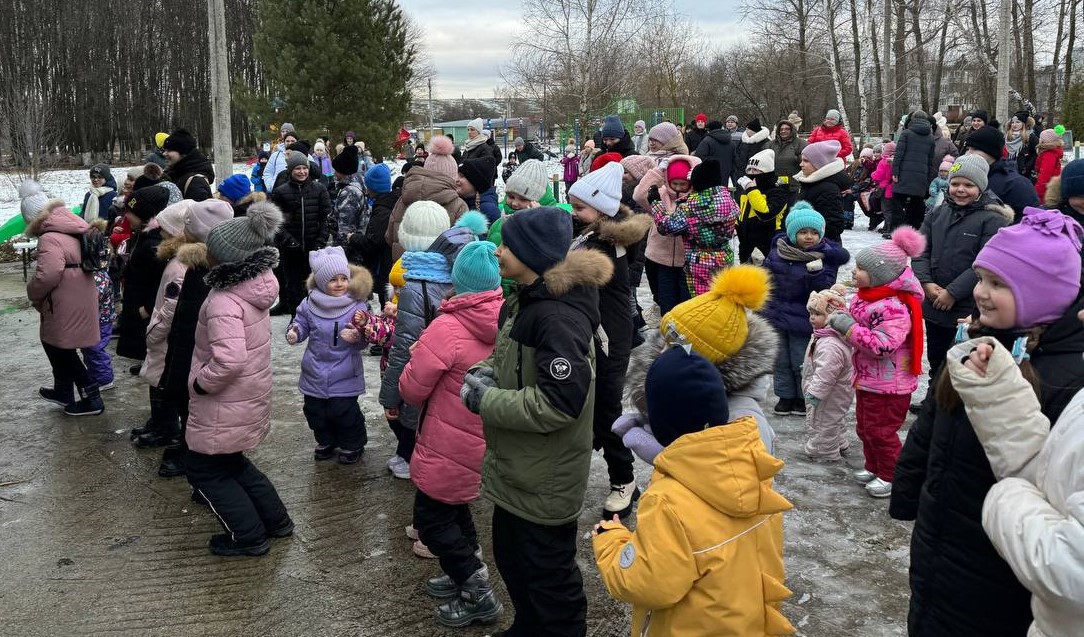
447 461
63 294
668 251
165 304
230 381
828 375
881 339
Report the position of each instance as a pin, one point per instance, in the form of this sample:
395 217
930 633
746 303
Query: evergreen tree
1073 115
339 64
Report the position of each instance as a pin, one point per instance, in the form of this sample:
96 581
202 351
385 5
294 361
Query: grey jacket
954 236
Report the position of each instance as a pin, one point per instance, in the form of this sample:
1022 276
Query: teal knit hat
802 216
476 269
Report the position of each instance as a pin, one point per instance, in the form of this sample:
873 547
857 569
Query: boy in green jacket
536 398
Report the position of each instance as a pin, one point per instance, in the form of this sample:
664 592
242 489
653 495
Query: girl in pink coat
882 177
447 462
884 327
827 378
230 382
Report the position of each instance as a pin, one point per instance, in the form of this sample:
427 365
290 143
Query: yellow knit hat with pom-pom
714 323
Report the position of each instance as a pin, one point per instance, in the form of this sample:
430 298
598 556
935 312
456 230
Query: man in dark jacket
913 169
306 205
753 140
698 132
351 208
188 169
1010 187
535 395
717 145
526 150
372 244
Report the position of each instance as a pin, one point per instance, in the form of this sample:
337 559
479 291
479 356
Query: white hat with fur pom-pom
237 239
34 199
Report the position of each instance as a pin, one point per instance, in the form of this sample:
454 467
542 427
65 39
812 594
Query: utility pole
430 108
1004 54
888 100
222 144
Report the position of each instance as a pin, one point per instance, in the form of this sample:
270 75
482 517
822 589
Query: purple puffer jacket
881 339
828 375
447 461
331 367
230 381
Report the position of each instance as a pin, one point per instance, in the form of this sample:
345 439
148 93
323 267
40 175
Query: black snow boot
476 603
223 544
135 432
57 397
159 435
89 405
172 465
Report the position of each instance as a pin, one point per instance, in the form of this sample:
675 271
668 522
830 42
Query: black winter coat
826 198
744 150
1012 188
182 332
372 245
914 159
192 174
530 151
960 586
142 275
693 137
719 146
305 207
624 147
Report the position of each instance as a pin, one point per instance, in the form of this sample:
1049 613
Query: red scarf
914 306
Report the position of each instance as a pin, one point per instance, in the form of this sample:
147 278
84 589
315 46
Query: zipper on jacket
335 335
647 624
301 195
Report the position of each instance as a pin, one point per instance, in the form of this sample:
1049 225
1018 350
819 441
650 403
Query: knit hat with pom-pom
886 261
1050 136
801 217
476 269
203 216
33 199
638 165
328 263
440 158
423 221
827 301
240 238
715 323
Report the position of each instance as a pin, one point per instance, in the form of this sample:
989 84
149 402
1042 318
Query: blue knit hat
476 268
539 237
685 393
235 187
802 216
1072 180
612 127
378 178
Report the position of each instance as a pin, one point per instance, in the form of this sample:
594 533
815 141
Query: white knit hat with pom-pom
237 239
33 198
422 223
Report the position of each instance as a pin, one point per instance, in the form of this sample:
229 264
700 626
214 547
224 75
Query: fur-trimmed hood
193 255
55 217
755 360
624 229
169 248
227 275
361 283
833 167
756 137
1053 193
588 268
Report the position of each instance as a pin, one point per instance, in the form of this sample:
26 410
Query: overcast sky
468 40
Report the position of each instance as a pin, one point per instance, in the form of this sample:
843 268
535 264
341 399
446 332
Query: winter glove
816 265
350 335
841 322
291 335
745 182
484 371
474 387
653 195
812 400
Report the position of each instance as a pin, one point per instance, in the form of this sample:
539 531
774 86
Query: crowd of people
512 345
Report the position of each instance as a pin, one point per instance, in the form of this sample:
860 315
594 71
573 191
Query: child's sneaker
879 488
620 500
349 457
784 407
323 452
422 550
221 544
412 533
56 397
864 476
107 386
399 467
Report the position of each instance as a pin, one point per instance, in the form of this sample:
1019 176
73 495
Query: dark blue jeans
672 288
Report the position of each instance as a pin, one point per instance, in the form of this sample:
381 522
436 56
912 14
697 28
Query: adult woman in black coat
913 169
306 206
142 273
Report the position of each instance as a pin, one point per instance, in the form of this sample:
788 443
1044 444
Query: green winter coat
538 421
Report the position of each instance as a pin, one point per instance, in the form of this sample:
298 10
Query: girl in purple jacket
332 376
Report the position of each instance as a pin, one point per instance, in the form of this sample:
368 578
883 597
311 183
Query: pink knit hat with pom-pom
888 149
637 165
440 156
886 261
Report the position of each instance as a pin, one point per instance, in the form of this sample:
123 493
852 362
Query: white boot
620 500
879 488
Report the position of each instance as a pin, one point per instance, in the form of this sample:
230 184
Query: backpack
94 251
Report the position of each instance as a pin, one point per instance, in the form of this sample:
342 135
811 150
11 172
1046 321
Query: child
1048 162
475 185
510 166
571 164
97 359
535 395
1066 192
586 156
827 378
702 561
231 385
705 220
823 179
884 326
882 176
1028 299
527 188
447 462
955 232
604 224
939 185
332 375
142 273
800 261
762 206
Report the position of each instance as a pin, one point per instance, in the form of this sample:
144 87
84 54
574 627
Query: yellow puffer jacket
707 555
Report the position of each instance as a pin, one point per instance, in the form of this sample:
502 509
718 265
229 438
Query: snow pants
880 417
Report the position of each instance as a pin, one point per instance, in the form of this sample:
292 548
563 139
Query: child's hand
391 310
979 359
391 413
600 529
350 335
291 335
360 318
841 322
816 265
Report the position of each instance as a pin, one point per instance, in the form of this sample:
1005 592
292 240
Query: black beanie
301 146
346 162
539 237
987 139
479 172
706 174
685 394
754 125
147 202
980 114
715 125
181 141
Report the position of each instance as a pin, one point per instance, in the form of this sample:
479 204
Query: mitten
291 335
745 182
653 195
811 400
350 335
841 322
626 422
816 265
474 387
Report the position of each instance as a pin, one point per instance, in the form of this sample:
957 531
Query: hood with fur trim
586 268
624 229
227 275
756 137
54 217
833 167
755 360
361 283
193 255
169 248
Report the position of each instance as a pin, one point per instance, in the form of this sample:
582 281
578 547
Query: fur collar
34 228
1005 211
227 275
579 267
252 197
1053 192
824 172
622 230
361 283
168 248
193 255
756 137
755 360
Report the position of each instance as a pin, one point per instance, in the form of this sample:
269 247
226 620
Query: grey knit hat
972 168
529 181
295 159
237 239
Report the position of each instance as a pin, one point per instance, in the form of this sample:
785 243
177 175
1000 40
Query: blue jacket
1012 188
257 177
792 282
486 203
